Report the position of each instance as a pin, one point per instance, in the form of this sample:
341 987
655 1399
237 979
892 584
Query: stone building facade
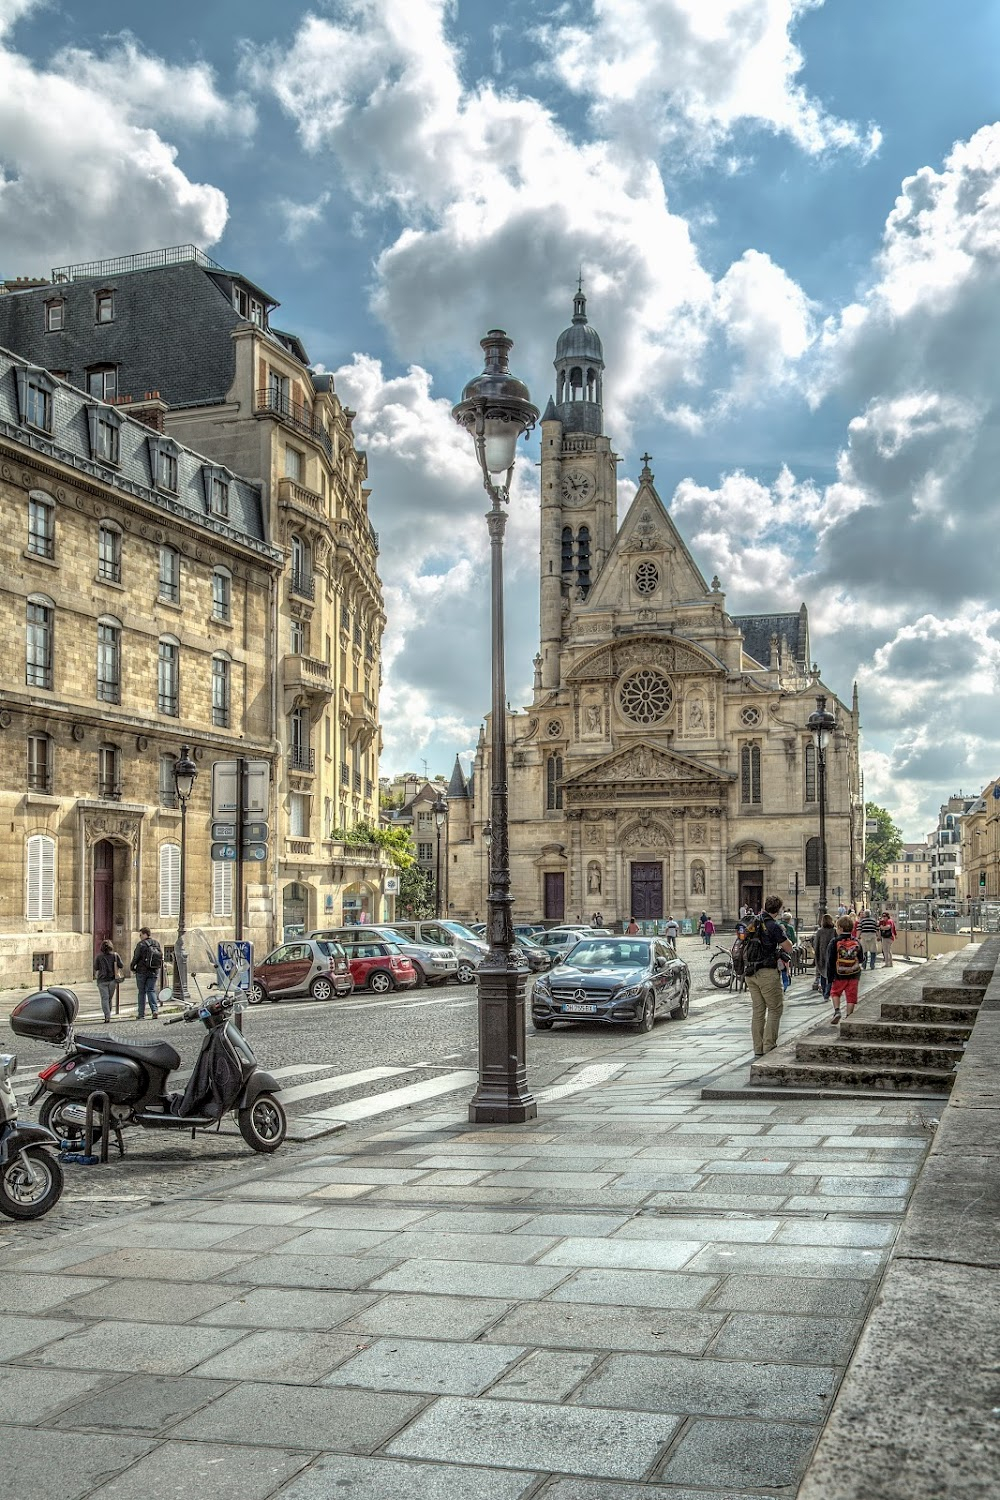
664 766
196 348
135 619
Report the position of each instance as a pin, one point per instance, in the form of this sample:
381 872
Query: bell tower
579 501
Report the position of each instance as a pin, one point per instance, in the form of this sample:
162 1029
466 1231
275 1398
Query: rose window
750 718
553 729
647 578
645 696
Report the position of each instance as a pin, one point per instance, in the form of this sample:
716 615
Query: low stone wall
917 1416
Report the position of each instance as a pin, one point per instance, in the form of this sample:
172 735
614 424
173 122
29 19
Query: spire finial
647 473
579 279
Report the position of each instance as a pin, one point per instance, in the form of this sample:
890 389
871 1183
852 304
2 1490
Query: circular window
750 718
553 729
645 696
647 578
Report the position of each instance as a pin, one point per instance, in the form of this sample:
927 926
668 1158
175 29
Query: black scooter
132 1077
31 1179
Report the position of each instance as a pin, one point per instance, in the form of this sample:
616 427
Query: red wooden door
555 896
104 892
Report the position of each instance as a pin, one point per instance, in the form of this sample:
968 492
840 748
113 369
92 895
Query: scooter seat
157 1054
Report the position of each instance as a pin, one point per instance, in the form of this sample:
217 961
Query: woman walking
108 970
822 938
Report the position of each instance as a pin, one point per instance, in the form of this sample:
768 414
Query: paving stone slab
590 1225
416 1244
20 1336
471 1221
153 1348
180 1235
444 1368
281 1307
434 1194
21 1293
151 1301
75 1248
336 1241
576 1325
545 1375
714 1228
741 1453
412 1315
211 1211
300 1416
365 1215
282 1358
389 1479
856 1232
790 1260
702 1199
575 1489
146 1404
618 1254
41 1463
780 1337
31 1395
530 1435
626 1289
458 1279
711 1387
192 1471
792 1294
160 1265
325 1272
853 1203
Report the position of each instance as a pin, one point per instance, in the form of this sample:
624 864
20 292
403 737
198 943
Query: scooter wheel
50 1116
31 1184
263 1125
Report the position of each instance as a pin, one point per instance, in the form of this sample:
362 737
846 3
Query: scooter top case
46 1016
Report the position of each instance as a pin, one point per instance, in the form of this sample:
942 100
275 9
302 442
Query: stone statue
696 715
593 879
698 880
593 718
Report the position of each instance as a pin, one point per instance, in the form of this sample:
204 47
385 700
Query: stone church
664 766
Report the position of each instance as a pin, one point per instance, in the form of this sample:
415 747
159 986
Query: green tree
396 842
883 844
416 899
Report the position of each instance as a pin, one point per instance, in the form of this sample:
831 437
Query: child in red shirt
844 960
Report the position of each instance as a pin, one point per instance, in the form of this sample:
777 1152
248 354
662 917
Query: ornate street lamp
185 775
439 808
821 724
496 410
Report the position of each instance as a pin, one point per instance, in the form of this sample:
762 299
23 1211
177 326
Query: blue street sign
254 851
223 851
233 954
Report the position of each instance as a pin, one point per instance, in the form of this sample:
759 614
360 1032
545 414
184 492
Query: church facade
664 766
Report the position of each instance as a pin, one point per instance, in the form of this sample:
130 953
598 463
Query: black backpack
756 948
152 955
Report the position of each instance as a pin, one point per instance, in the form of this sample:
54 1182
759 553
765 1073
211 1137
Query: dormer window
104 424
35 391
102 382
217 483
104 306
55 315
163 460
248 307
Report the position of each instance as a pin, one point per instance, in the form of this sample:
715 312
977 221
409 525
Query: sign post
240 796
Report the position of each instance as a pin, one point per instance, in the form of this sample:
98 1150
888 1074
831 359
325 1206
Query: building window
222 594
222 888
104 434
278 391
750 775
102 382
104 307
811 783
109 553
217 490
298 815
297 641
35 391
583 557
553 783
109 661
425 853
109 778
39 763
299 749
170 879
170 575
294 464
220 691
41 525
40 903
567 549
168 786
812 862
166 470
168 675
55 315
40 617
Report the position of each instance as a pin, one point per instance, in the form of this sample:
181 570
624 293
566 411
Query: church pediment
666 652
645 762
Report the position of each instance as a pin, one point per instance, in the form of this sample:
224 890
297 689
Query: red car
379 966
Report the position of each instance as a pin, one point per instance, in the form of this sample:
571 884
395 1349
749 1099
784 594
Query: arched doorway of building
296 917
104 892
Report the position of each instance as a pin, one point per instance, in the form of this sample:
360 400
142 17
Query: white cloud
300 218
149 91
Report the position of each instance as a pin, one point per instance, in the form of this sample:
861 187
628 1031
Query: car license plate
580 1010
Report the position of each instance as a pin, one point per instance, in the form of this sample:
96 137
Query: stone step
826 1076
928 1034
912 1010
952 994
875 1054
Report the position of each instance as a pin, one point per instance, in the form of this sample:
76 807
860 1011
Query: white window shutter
170 880
40 904
222 888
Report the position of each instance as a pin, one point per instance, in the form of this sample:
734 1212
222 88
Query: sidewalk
639 1294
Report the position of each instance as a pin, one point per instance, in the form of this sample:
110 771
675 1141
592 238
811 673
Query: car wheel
421 976
256 994
542 1025
466 972
321 989
683 1006
648 1015
379 982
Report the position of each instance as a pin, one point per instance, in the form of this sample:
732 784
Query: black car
624 981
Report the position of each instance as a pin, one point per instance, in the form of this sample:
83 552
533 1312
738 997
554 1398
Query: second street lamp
496 410
821 724
185 775
439 808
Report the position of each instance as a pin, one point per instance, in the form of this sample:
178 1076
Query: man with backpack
866 932
844 962
147 961
765 939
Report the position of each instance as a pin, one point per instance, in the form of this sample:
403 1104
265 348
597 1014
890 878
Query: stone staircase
913 1046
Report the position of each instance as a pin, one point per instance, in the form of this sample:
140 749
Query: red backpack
847 964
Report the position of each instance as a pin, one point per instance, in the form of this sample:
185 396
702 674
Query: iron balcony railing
145 260
303 584
301 759
294 414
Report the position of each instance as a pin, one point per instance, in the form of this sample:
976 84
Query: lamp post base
503 1097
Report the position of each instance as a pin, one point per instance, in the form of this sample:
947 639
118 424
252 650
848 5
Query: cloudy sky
787 213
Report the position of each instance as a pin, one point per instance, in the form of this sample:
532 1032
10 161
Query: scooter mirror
165 995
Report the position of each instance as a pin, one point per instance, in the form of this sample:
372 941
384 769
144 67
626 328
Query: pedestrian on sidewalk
844 962
866 933
822 938
632 928
707 931
887 933
765 940
671 931
108 970
147 960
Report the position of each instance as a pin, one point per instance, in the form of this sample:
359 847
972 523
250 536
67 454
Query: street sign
255 833
256 786
255 851
225 831
223 851
392 885
233 956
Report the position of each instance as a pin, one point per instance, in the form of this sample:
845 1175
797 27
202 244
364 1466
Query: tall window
750 775
811 782
109 661
300 565
168 676
102 382
170 574
294 464
109 771
220 496
222 594
40 903
38 666
104 436
298 739
220 691
553 783
39 763
170 879
278 391
55 315
38 402
109 553
168 787
583 557
104 307
41 525
812 862
166 470
567 549
222 888
298 815
297 641
425 853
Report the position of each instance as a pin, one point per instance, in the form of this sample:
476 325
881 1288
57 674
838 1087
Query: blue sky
788 218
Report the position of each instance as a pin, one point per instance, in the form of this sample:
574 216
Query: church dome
579 340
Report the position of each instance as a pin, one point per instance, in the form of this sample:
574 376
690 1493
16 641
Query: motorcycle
132 1077
31 1179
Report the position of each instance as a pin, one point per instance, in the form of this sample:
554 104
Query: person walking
671 931
707 931
765 940
632 928
108 969
866 932
845 958
147 960
822 938
887 933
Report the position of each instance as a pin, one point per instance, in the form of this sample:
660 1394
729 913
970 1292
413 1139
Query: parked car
558 941
380 966
309 966
538 959
528 929
622 981
431 965
471 950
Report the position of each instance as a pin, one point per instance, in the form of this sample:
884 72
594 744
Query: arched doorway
104 892
295 913
357 903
